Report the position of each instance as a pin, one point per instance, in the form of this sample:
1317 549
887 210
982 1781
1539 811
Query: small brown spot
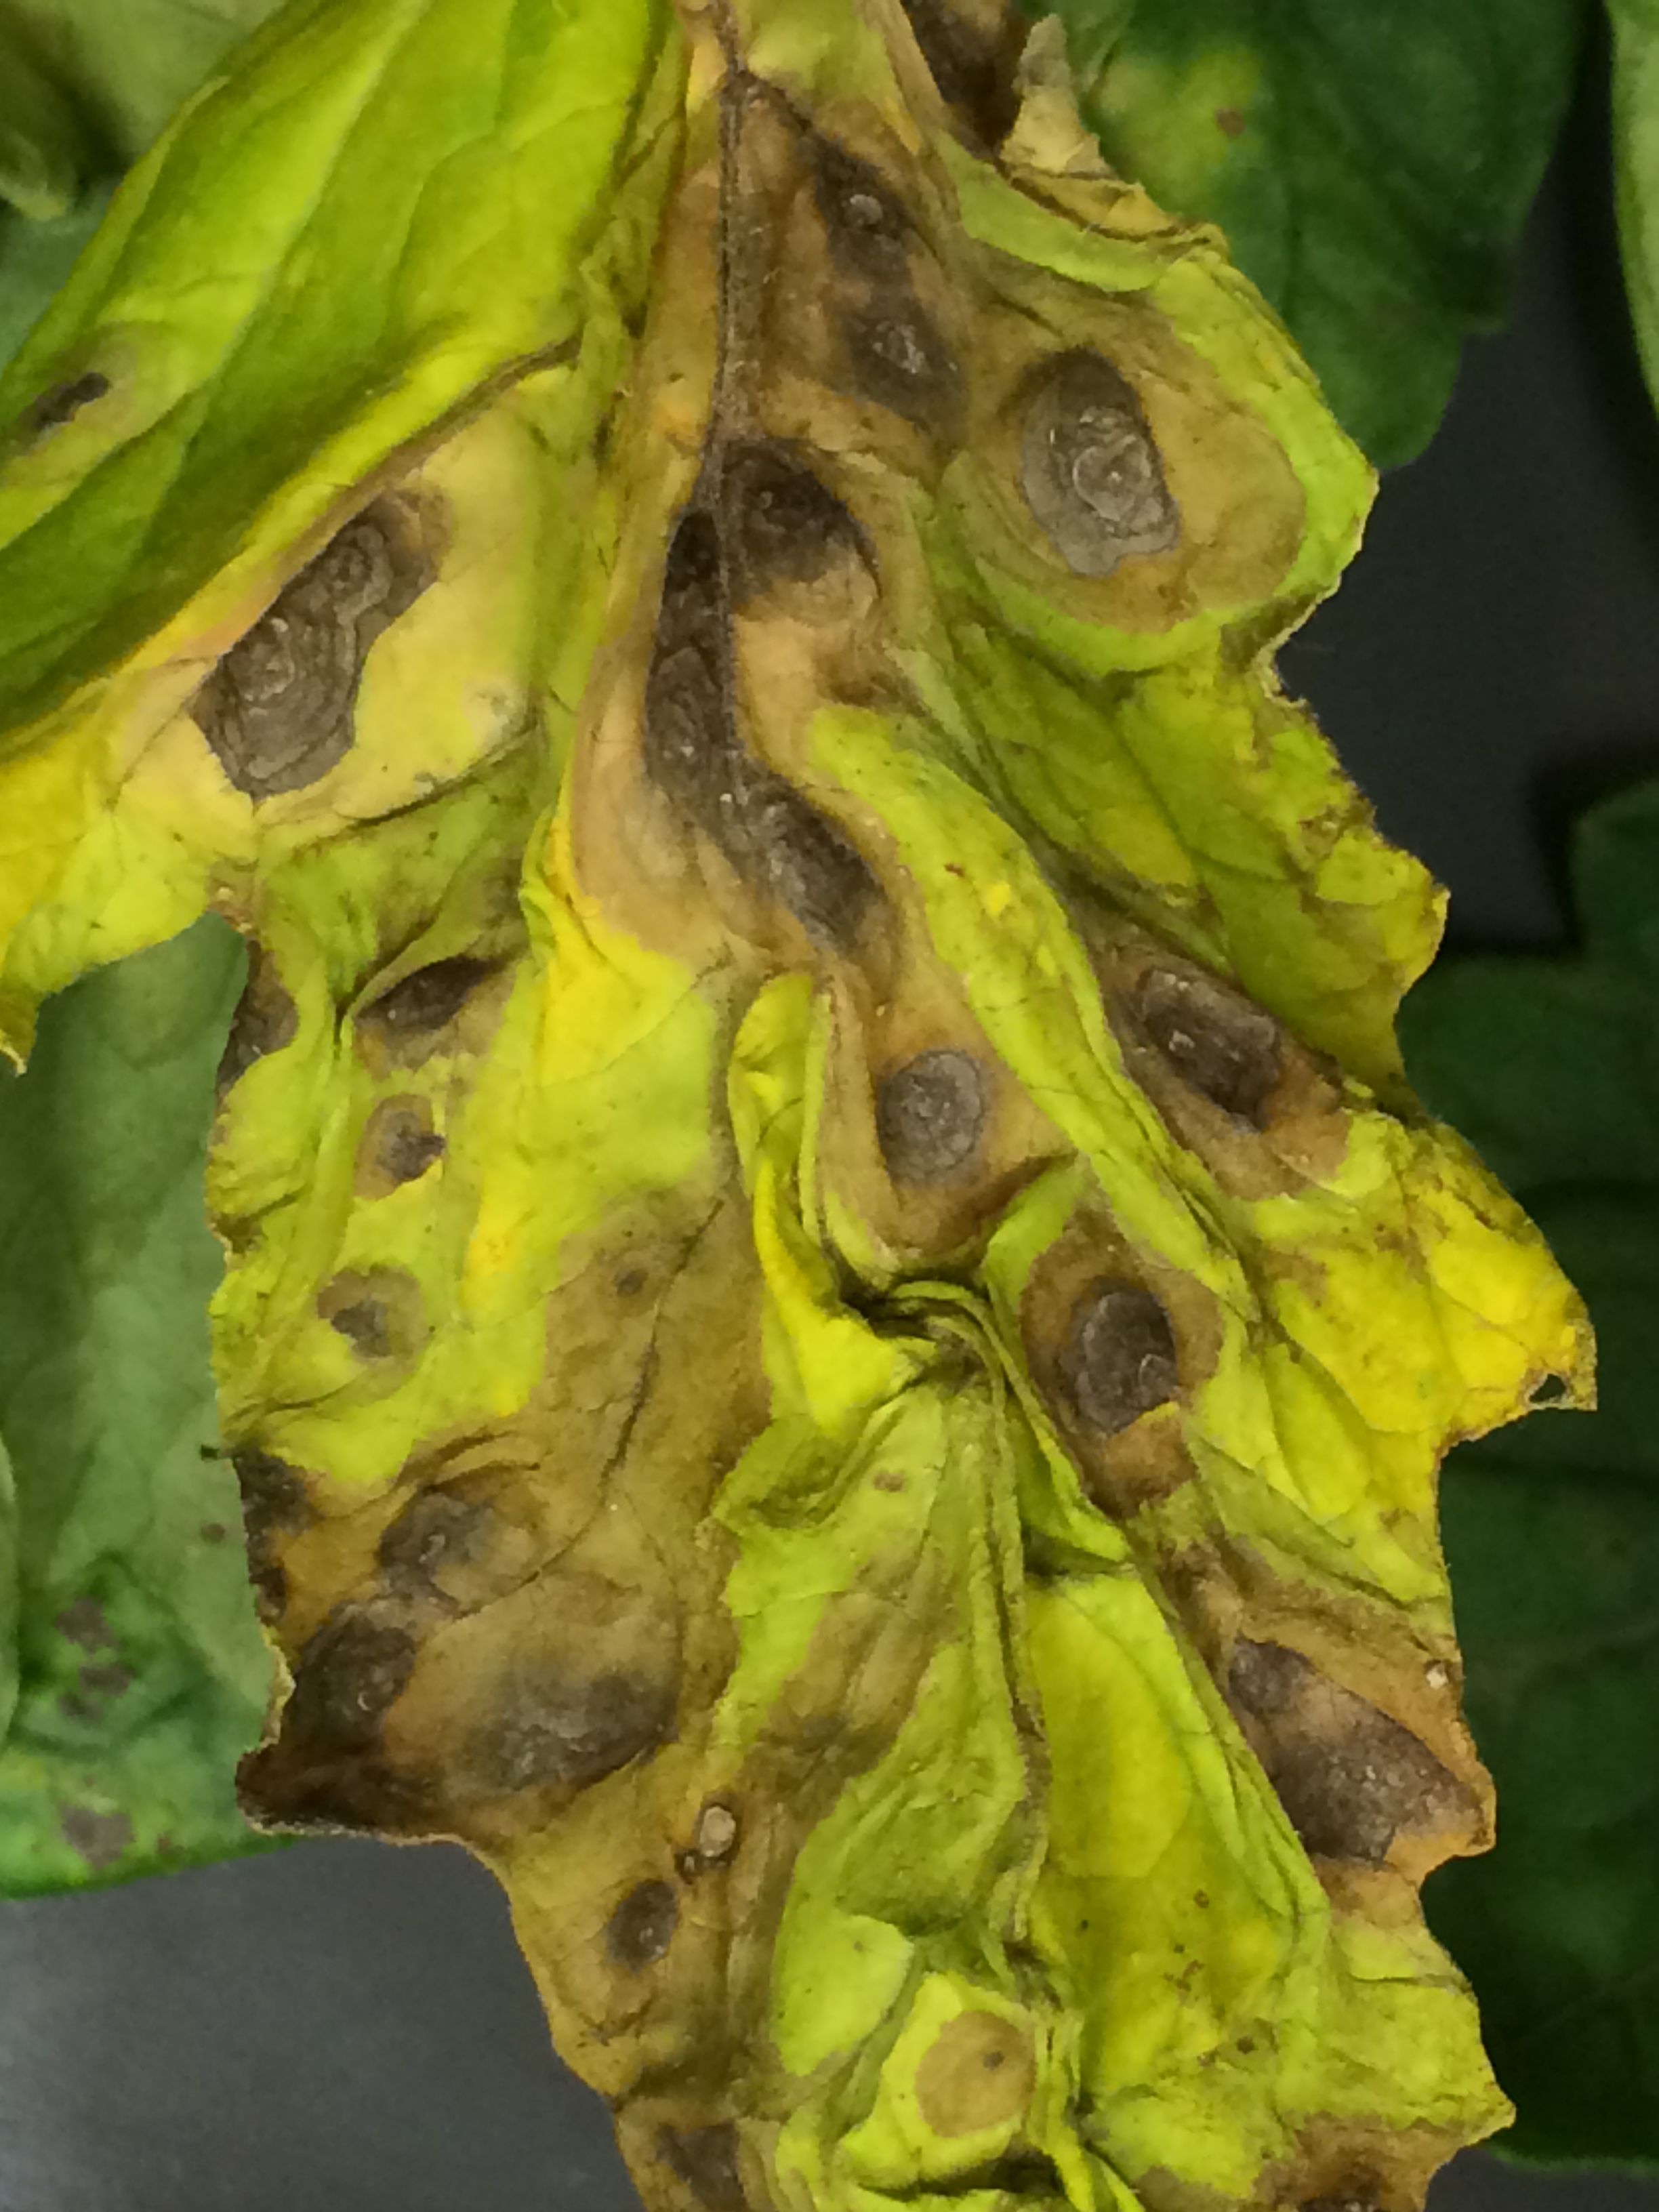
1229 1051
706 2160
399 1144
108 1680
551 1728
641 1929
376 1310
1350 1778
1122 1359
1089 469
886 1479
978 2072
213 1532
61 403
930 1115
100 1838
429 999
84 1621
629 1283
1230 121
266 1019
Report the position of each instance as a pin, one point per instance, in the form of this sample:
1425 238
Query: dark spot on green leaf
107 1682
1228 1050
84 1621
706 2159
641 1929
930 1115
61 403
100 1838
1089 469
1122 1359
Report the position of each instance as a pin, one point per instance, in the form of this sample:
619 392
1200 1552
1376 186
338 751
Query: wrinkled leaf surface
839 1324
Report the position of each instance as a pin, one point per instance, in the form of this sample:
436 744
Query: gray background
346 2027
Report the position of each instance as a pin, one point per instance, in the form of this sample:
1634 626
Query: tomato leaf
838 1324
140 1673
1548 1064
1371 166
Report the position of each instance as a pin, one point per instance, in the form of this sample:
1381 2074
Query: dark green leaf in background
85 86
139 1670
1371 165
1550 1068
1636 154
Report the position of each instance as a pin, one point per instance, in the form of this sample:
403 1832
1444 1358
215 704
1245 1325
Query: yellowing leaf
839 1324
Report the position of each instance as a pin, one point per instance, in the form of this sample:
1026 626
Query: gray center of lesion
277 709
1090 470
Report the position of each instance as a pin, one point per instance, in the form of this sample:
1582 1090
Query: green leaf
141 1674
117 73
84 88
1371 166
411 192
1551 1066
35 260
1635 154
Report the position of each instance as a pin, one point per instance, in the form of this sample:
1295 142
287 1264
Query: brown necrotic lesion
773 837
1350 1778
277 709
1090 470
1120 1361
1219 1044
930 1115
896 354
